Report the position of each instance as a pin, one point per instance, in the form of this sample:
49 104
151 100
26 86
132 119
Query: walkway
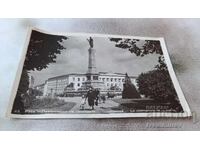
108 107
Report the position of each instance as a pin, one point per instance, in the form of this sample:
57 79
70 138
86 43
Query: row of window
78 79
113 79
65 80
79 84
83 79
57 85
60 85
61 80
54 83
114 84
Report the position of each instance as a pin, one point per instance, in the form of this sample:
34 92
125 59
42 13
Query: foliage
148 47
49 104
18 105
156 84
42 50
36 92
161 63
129 90
24 82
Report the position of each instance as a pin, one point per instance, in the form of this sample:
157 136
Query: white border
184 104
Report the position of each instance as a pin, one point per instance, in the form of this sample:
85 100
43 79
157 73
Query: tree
42 50
18 105
149 47
157 84
36 92
129 90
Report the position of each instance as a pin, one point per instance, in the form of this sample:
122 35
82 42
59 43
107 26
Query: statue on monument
90 40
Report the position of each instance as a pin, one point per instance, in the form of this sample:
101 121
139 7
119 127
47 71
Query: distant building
57 85
40 87
114 79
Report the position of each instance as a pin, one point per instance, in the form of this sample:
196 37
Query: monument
92 70
92 74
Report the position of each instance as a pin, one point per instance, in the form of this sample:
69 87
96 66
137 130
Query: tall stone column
91 61
92 74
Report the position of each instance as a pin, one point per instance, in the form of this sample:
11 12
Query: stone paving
108 107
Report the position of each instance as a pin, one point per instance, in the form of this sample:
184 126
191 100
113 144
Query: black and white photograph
83 75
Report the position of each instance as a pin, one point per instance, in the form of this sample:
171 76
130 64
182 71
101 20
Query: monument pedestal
94 84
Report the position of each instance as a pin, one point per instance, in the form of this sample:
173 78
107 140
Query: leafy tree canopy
18 105
149 47
42 50
156 84
24 83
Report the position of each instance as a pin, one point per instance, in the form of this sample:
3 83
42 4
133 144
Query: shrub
156 84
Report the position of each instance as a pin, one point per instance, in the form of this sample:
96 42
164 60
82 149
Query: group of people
93 97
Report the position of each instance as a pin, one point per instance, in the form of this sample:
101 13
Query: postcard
86 75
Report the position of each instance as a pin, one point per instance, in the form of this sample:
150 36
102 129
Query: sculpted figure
90 40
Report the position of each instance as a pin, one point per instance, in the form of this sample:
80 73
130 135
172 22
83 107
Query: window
103 79
78 79
111 79
107 84
78 84
73 79
88 77
115 79
122 80
95 77
119 80
83 79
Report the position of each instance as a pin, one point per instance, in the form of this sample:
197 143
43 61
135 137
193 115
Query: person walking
91 97
97 93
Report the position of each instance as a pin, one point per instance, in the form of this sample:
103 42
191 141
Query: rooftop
66 75
82 74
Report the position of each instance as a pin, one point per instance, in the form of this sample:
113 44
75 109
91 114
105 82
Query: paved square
108 107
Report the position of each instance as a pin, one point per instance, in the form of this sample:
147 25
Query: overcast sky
108 59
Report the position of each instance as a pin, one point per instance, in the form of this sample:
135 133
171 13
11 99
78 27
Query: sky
108 59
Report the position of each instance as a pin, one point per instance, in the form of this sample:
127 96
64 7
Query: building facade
114 79
40 87
57 85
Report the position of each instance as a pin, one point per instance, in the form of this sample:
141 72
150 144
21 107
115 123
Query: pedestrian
97 92
83 102
91 97
103 97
